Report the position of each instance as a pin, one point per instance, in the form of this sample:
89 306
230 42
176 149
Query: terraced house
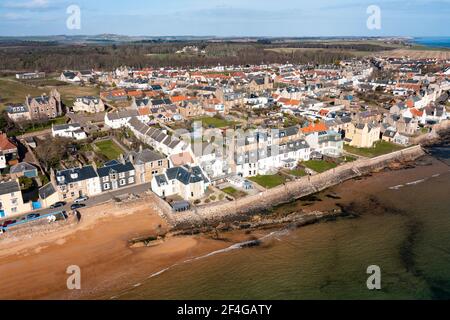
116 175
147 164
76 182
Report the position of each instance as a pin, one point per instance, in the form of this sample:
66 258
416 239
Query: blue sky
226 17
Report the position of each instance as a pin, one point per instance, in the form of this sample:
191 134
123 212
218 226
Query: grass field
380 148
269 181
319 165
109 149
14 91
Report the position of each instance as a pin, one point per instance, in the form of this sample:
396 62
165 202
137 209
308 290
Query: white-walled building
69 131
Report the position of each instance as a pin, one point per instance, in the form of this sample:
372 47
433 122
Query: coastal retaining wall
288 192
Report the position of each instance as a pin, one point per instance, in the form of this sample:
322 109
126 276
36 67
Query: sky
271 18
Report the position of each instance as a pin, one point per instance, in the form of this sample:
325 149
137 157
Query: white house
157 139
119 119
190 183
269 159
70 131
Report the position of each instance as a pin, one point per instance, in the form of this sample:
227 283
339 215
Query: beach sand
36 268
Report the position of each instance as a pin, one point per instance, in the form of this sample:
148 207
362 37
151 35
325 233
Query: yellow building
362 135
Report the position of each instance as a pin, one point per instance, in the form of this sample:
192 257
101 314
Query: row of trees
50 58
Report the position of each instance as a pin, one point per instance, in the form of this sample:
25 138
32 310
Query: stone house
147 164
45 107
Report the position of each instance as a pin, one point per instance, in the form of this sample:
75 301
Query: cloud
32 4
13 16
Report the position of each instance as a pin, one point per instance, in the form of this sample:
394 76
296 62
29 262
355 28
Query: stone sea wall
288 192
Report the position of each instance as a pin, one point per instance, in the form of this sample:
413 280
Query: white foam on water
415 182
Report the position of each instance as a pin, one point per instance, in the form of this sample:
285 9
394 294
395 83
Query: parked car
58 204
81 199
76 206
33 216
8 222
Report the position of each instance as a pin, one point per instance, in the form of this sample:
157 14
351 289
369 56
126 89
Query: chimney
121 159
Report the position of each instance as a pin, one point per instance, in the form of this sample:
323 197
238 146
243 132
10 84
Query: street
91 202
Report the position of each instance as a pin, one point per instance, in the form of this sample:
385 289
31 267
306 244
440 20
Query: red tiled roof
315 127
5 144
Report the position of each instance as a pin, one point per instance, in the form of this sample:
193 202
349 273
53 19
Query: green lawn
319 165
298 172
109 149
214 122
233 192
269 181
349 158
380 148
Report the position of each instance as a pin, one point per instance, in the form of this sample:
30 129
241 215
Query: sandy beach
36 268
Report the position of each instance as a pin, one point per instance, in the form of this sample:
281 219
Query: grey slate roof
46 191
186 174
83 173
116 168
9 187
145 156
21 167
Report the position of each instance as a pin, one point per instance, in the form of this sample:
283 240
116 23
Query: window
14 209
122 182
131 180
160 163
106 186
121 175
105 179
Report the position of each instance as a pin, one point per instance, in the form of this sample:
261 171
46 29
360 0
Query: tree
52 151
26 183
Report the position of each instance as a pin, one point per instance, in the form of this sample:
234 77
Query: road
92 202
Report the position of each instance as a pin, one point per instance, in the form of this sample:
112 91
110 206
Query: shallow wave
236 246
